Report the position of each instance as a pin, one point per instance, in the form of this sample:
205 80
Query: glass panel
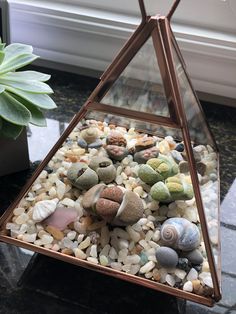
206 157
127 212
140 85
197 124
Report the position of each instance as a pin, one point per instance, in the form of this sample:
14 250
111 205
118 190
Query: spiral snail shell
180 233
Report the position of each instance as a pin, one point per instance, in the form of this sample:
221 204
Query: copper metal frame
157 27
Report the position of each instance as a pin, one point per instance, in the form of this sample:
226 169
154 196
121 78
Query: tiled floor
44 285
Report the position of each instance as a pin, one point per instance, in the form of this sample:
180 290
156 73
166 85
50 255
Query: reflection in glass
140 85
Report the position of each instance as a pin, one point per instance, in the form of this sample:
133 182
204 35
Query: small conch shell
104 168
43 209
180 233
90 134
81 176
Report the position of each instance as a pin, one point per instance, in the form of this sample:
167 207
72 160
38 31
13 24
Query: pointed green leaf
39 100
27 75
13 50
28 86
10 130
13 111
17 62
37 117
2 88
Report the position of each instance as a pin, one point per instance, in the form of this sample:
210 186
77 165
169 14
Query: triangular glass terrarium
133 186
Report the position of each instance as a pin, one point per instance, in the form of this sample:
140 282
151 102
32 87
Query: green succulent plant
23 94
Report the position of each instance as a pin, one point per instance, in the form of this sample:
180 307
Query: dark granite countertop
44 285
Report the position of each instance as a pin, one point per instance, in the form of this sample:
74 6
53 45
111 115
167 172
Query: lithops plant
180 233
144 142
116 138
81 176
174 188
104 168
117 152
113 205
143 156
158 169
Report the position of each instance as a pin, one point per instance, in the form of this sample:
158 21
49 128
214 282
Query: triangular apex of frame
142 61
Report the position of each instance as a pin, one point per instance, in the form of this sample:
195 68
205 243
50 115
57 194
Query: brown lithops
116 138
144 143
117 152
113 205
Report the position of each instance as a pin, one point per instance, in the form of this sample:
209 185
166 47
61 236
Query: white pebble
144 244
46 239
122 255
93 251
29 237
67 202
180 273
105 250
192 275
121 233
116 265
84 244
22 218
80 238
147 267
188 286
149 235
71 235
12 226
18 211
112 253
142 221
132 259
123 244
103 260
170 280
79 253
134 235
134 269
156 235
92 260
126 268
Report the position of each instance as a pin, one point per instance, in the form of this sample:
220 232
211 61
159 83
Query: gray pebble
194 257
96 144
177 156
167 257
82 143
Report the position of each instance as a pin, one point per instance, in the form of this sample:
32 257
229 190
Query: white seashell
43 209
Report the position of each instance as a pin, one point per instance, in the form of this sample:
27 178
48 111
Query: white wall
89 33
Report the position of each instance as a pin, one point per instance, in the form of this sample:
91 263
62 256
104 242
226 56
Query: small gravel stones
123 199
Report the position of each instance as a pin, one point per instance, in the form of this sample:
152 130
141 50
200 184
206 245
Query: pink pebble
61 217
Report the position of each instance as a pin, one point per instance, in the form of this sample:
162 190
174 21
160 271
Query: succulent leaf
39 100
2 88
28 86
13 111
26 75
10 130
16 63
37 117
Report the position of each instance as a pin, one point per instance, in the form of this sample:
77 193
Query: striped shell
180 233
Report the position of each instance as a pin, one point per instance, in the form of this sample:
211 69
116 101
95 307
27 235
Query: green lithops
158 169
173 189
81 176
